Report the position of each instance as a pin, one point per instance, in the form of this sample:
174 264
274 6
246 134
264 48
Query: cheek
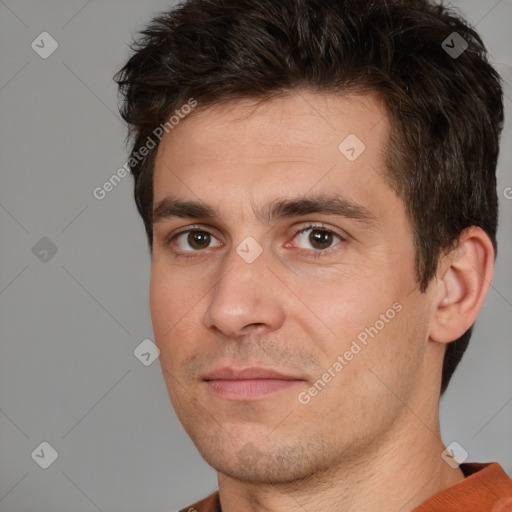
161 302
395 355
171 307
371 321
342 305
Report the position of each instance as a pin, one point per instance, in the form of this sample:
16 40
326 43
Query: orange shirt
486 488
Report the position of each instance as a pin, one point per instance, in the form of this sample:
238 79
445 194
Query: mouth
248 383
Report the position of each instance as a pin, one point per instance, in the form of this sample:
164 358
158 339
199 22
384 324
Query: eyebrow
169 208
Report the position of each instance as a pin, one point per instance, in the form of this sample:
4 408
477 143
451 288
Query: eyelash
318 253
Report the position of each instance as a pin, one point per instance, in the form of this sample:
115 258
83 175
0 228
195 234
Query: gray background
69 325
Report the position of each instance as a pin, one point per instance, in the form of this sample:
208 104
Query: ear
462 281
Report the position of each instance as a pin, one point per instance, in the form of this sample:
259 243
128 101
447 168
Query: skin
370 439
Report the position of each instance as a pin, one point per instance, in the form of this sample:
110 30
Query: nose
247 298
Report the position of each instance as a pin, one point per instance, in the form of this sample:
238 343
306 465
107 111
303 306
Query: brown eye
319 238
198 239
194 240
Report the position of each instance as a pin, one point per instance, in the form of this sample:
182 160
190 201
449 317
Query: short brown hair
446 110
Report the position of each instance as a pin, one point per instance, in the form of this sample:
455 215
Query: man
317 184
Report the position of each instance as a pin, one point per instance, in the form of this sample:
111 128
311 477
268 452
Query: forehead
300 143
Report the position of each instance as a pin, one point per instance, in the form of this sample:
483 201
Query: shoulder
209 504
486 488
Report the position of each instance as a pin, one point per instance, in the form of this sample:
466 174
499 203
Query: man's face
251 315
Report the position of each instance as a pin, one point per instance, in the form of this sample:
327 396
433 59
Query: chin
274 465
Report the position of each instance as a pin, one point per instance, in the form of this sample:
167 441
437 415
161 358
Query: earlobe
463 280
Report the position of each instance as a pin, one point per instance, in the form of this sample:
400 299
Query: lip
248 383
229 373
